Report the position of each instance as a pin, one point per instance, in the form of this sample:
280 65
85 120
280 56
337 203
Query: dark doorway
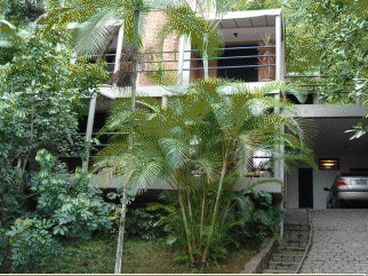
305 180
240 54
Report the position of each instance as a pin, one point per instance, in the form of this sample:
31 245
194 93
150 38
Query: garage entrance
334 153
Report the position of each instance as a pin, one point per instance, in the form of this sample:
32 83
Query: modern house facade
253 53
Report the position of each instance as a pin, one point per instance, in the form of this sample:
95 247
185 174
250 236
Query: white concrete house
246 60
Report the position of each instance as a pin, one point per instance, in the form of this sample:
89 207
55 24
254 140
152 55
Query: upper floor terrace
252 52
338 100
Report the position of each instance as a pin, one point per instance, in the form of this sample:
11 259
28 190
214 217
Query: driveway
340 242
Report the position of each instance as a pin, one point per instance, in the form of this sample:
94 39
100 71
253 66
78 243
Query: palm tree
200 145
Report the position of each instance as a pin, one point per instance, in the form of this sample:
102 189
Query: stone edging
257 262
309 243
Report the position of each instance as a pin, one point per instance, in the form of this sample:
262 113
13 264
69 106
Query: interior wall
321 179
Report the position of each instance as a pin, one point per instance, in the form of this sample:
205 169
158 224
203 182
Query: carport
334 153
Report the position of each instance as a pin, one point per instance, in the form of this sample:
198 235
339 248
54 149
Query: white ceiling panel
259 21
244 22
228 23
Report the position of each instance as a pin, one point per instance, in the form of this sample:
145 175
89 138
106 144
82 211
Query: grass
97 256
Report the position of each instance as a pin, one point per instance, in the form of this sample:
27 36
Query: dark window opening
294 100
249 73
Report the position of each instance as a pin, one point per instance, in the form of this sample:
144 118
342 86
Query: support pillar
89 129
279 165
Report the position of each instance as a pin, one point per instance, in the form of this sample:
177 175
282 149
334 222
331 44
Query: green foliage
141 256
21 13
328 38
11 193
145 223
31 242
40 112
3 245
204 36
74 208
67 206
257 217
256 5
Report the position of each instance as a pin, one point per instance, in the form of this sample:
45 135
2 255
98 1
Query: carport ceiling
330 138
250 22
243 29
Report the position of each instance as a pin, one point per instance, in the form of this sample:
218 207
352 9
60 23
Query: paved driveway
340 242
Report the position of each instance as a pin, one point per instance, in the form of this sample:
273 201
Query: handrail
148 64
236 48
307 248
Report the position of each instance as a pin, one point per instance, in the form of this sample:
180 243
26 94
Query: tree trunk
120 242
215 209
186 226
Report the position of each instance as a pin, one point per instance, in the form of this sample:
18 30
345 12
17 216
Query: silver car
347 187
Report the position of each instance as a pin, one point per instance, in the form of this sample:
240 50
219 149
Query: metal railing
248 63
313 85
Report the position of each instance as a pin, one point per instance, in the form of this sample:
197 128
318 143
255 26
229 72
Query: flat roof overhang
329 111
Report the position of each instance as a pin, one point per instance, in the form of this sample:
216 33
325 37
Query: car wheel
338 204
329 204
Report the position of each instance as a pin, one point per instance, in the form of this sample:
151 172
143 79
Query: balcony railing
246 63
343 92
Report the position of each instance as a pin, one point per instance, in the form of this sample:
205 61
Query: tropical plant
145 223
257 217
39 112
200 146
42 112
74 207
66 206
31 242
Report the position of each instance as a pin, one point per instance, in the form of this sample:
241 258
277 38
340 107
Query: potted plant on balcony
266 59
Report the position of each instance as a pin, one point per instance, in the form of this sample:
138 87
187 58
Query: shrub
147 223
31 242
3 245
74 207
258 219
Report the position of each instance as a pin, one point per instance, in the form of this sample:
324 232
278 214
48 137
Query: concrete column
181 59
89 129
279 166
119 50
164 101
186 60
279 47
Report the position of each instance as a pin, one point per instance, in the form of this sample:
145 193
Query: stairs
287 256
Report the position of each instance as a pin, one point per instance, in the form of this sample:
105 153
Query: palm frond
176 151
94 34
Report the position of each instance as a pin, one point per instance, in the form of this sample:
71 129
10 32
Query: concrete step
283 265
296 227
291 249
296 234
276 271
284 257
295 244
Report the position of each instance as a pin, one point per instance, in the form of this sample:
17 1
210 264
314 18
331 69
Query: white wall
321 179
